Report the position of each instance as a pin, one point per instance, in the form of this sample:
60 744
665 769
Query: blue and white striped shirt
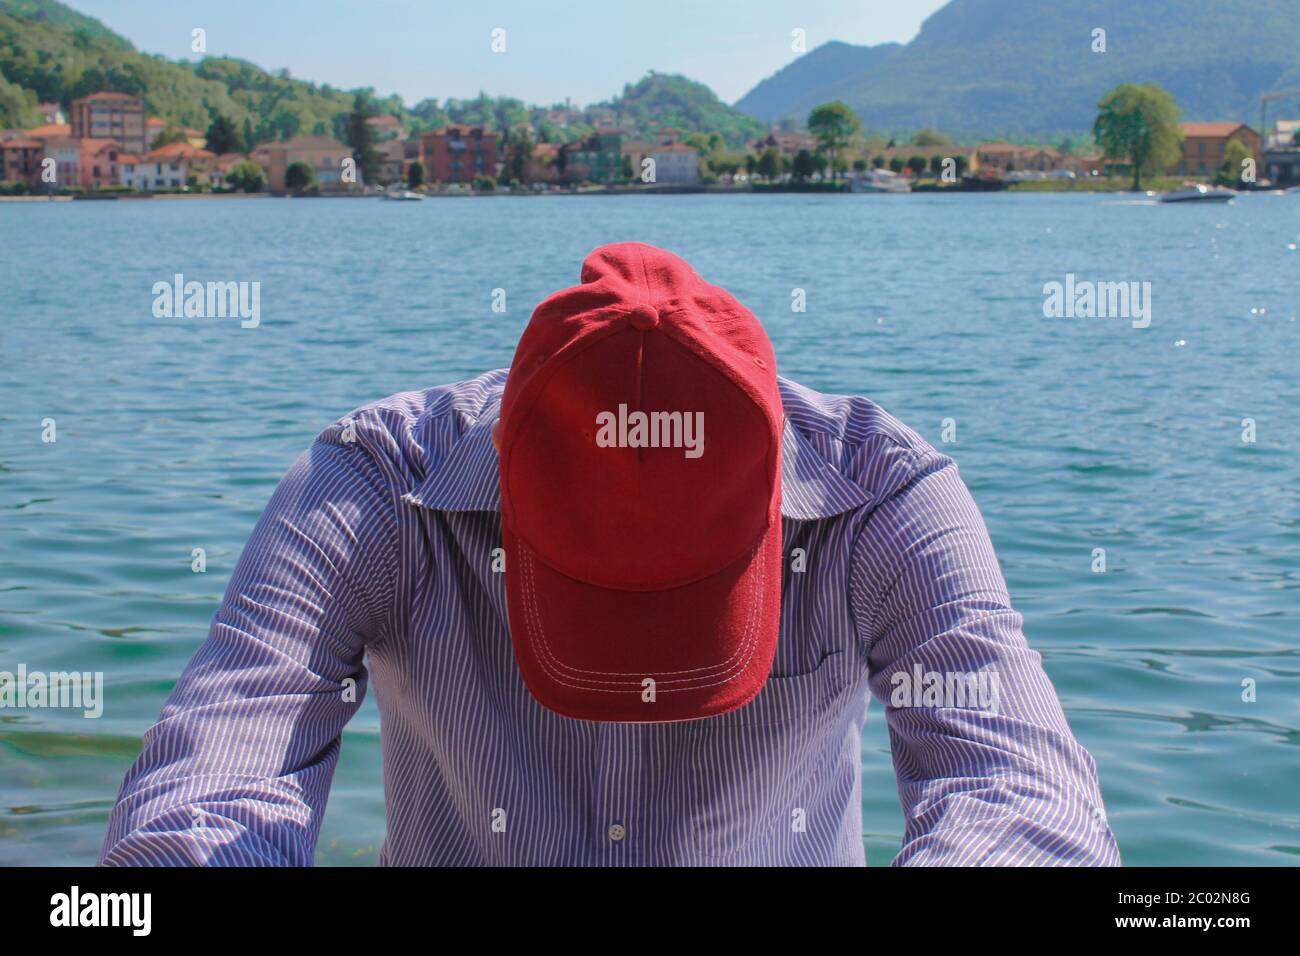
377 558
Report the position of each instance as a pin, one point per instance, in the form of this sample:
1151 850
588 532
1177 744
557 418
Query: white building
168 167
66 153
131 171
676 163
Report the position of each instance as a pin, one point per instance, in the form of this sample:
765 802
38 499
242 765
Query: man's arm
997 778
237 769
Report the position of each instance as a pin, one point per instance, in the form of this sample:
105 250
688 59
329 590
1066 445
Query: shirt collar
467 478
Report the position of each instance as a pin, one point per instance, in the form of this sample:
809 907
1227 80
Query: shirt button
616 832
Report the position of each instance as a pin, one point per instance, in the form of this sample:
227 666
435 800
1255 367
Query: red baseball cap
640 439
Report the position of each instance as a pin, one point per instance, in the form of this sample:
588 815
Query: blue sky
582 49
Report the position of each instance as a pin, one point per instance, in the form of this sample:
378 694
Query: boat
879 181
1199 192
402 195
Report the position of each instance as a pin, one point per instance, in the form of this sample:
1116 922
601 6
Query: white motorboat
1199 192
879 181
403 195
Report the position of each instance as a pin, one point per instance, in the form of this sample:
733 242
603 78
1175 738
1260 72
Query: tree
362 140
916 164
769 164
936 164
415 174
250 143
724 163
247 176
897 164
223 137
804 165
169 135
299 176
484 184
1234 158
1139 122
518 154
930 137
834 125
878 162
859 165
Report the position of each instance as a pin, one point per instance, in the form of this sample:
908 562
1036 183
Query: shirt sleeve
237 769
989 773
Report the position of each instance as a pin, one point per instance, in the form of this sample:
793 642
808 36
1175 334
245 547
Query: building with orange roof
50 131
99 162
1205 146
174 166
20 160
106 115
323 154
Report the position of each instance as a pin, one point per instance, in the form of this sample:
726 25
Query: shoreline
817 189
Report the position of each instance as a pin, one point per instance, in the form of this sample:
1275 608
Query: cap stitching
748 643
532 605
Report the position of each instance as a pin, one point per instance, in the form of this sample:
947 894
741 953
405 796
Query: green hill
660 99
1024 66
51 53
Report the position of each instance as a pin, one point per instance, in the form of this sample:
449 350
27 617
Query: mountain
813 79
1025 66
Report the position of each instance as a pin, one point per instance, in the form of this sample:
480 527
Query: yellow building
1205 145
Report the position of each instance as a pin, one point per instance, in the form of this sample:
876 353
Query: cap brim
684 653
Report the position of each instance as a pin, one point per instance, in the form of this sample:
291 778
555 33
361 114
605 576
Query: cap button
644 317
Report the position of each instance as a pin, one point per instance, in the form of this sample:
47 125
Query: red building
456 154
20 160
99 163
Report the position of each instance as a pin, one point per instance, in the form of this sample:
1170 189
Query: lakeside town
105 145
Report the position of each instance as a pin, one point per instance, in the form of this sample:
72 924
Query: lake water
1073 434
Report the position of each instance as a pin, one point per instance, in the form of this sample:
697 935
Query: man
624 606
